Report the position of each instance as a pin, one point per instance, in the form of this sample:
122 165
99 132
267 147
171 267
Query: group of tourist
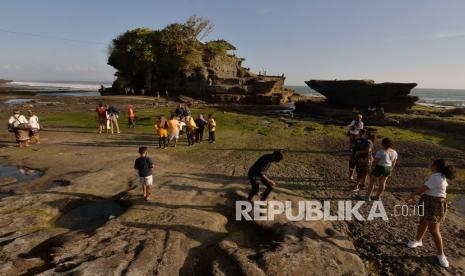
181 121
26 130
380 167
376 167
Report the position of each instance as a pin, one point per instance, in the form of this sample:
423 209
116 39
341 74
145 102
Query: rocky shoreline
188 227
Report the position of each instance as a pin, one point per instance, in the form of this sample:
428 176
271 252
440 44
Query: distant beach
428 96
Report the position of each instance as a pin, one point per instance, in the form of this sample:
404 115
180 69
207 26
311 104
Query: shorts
435 208
162 132
363 165
173 135
102 121
146 181
381 171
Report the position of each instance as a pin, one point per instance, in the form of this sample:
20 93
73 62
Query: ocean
428 96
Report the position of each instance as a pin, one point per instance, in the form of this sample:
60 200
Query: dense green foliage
142 56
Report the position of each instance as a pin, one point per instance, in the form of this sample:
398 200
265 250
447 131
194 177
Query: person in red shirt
131 117
101 118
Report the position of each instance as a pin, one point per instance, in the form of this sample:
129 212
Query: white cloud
448 35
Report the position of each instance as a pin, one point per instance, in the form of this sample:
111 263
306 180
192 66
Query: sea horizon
450 97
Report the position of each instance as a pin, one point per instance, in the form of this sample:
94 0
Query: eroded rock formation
394 97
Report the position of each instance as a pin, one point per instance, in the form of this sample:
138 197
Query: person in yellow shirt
211 128
191 128
161 128
173 130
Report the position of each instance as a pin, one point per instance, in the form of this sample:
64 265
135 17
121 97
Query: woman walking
20 126
385 161
113 115
435 207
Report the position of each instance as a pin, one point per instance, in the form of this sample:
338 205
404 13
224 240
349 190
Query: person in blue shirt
258 173
144 166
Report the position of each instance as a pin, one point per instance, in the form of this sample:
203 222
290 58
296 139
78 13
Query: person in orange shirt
131 117
173 130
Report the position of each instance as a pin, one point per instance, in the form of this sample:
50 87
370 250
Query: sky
419 41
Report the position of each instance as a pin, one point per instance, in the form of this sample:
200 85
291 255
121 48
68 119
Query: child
258 172
101 118
162 129
435 206
144 166
385 161
355 126
35 126
131 117
211 128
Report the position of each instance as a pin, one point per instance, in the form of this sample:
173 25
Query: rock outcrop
223 80
394 97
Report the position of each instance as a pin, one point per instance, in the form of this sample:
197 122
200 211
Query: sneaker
443 261
356 190
414 244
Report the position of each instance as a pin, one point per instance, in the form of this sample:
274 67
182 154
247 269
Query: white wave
60 85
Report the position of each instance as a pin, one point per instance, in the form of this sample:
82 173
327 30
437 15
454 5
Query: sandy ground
85 214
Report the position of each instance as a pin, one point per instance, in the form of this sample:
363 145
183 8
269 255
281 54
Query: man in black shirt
258 172
144 166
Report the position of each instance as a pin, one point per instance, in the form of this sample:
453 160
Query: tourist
131 116
435 206
363 158
35 127
258 173
167 95
385 162
201 123
355 126
186 112
173 130
101 118
144 166
20 126
113 115
162 130
211 128
179 111
191 129
359 144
